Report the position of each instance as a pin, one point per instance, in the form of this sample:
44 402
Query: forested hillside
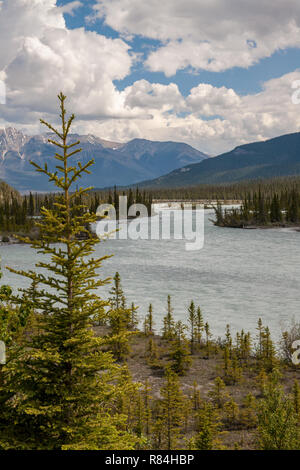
270 159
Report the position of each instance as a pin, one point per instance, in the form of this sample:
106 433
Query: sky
212 73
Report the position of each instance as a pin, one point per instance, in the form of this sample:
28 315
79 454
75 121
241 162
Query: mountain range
273 158
148 163
115 163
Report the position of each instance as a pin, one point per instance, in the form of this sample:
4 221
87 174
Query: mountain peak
115 163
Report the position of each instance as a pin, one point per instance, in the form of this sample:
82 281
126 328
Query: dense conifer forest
83 372
275 201
280 208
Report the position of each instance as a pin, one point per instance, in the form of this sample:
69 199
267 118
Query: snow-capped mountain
115 163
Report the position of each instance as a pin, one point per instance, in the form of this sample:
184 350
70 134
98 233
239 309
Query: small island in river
277 210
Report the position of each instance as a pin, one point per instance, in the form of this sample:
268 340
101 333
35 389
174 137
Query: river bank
292 227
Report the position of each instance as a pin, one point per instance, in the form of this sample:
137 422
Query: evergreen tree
148 323
268 354
15 324
130 200
196 397
261 381
199 326
116 202
153 354
275 211
208 335
296 398
293 207
248 416
120 320
277 421
192 322
171 415
169 324
228 343
260 329
31 205
208 429
232 413
218 393
134 319
64 381
148 412
180 354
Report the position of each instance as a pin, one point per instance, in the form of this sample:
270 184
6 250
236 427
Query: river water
238 276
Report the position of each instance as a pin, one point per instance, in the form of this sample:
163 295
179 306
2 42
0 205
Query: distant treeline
265 201
93 199
228 191
14 210
18 213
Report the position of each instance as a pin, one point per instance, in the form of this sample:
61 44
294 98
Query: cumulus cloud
214 35
41 57
207 100
211 119
151 96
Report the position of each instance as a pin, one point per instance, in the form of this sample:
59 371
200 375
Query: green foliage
169 323
232 413
170 415
218 393
277 420
153 354
208 336
121 320
192 318
148 323
134 318
262 208
248 416
199 327
208 429
265 352
146 394
180 353
296 398
63 383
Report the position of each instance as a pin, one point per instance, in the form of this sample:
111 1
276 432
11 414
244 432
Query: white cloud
71 7
151 96
41 57
211 119
25 18
213 35
207 100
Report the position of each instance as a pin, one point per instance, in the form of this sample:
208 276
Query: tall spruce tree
148 323
192 318
179 350
120 320
171 410
169 323
199 326
64 382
